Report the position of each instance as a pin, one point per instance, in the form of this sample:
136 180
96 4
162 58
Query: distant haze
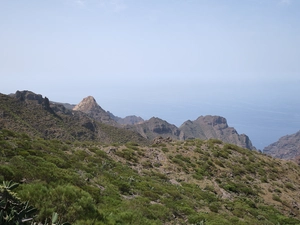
175 60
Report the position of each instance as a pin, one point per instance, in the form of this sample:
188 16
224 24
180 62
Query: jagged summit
29 96
206 127
89 106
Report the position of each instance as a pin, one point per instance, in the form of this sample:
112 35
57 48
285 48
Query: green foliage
128 154
13 211
189 184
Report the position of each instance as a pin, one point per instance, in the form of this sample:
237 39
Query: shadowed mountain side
287 147
156 127
32 114
207 127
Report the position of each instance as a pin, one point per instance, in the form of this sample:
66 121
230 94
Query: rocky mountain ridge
87 119
287 147
205 127
36 116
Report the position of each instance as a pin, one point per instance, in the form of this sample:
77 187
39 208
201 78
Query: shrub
214 207
290 186
276 198
13 211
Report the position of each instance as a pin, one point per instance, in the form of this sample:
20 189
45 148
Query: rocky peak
206 127
87 104
29 96
156 127
213 121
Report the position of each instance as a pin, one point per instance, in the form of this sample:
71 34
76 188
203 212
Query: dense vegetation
191 182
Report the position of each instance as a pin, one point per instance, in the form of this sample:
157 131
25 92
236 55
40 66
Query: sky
172 59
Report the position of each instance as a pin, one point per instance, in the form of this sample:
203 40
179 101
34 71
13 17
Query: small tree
15 212
12 210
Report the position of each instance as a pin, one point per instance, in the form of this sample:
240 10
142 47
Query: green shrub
214 207
164 149
290 186
276 198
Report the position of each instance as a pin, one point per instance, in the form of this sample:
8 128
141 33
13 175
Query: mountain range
204 127
92 167
32 113
35 115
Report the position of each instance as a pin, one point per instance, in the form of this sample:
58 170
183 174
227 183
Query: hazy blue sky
174 59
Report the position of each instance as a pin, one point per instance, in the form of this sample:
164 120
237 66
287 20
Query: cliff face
207 127
287 147
156 127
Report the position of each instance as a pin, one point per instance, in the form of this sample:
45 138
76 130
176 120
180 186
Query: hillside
169 182
287 147
34 115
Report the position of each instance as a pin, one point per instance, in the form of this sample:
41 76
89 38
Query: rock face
207 127
28 96
89 106
287 147
156 127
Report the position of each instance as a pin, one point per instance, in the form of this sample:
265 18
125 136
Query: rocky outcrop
90 107
29 97
207 127
287 147
156 127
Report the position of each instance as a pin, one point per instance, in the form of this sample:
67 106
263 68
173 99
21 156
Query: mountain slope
32 114
287 147
171 182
